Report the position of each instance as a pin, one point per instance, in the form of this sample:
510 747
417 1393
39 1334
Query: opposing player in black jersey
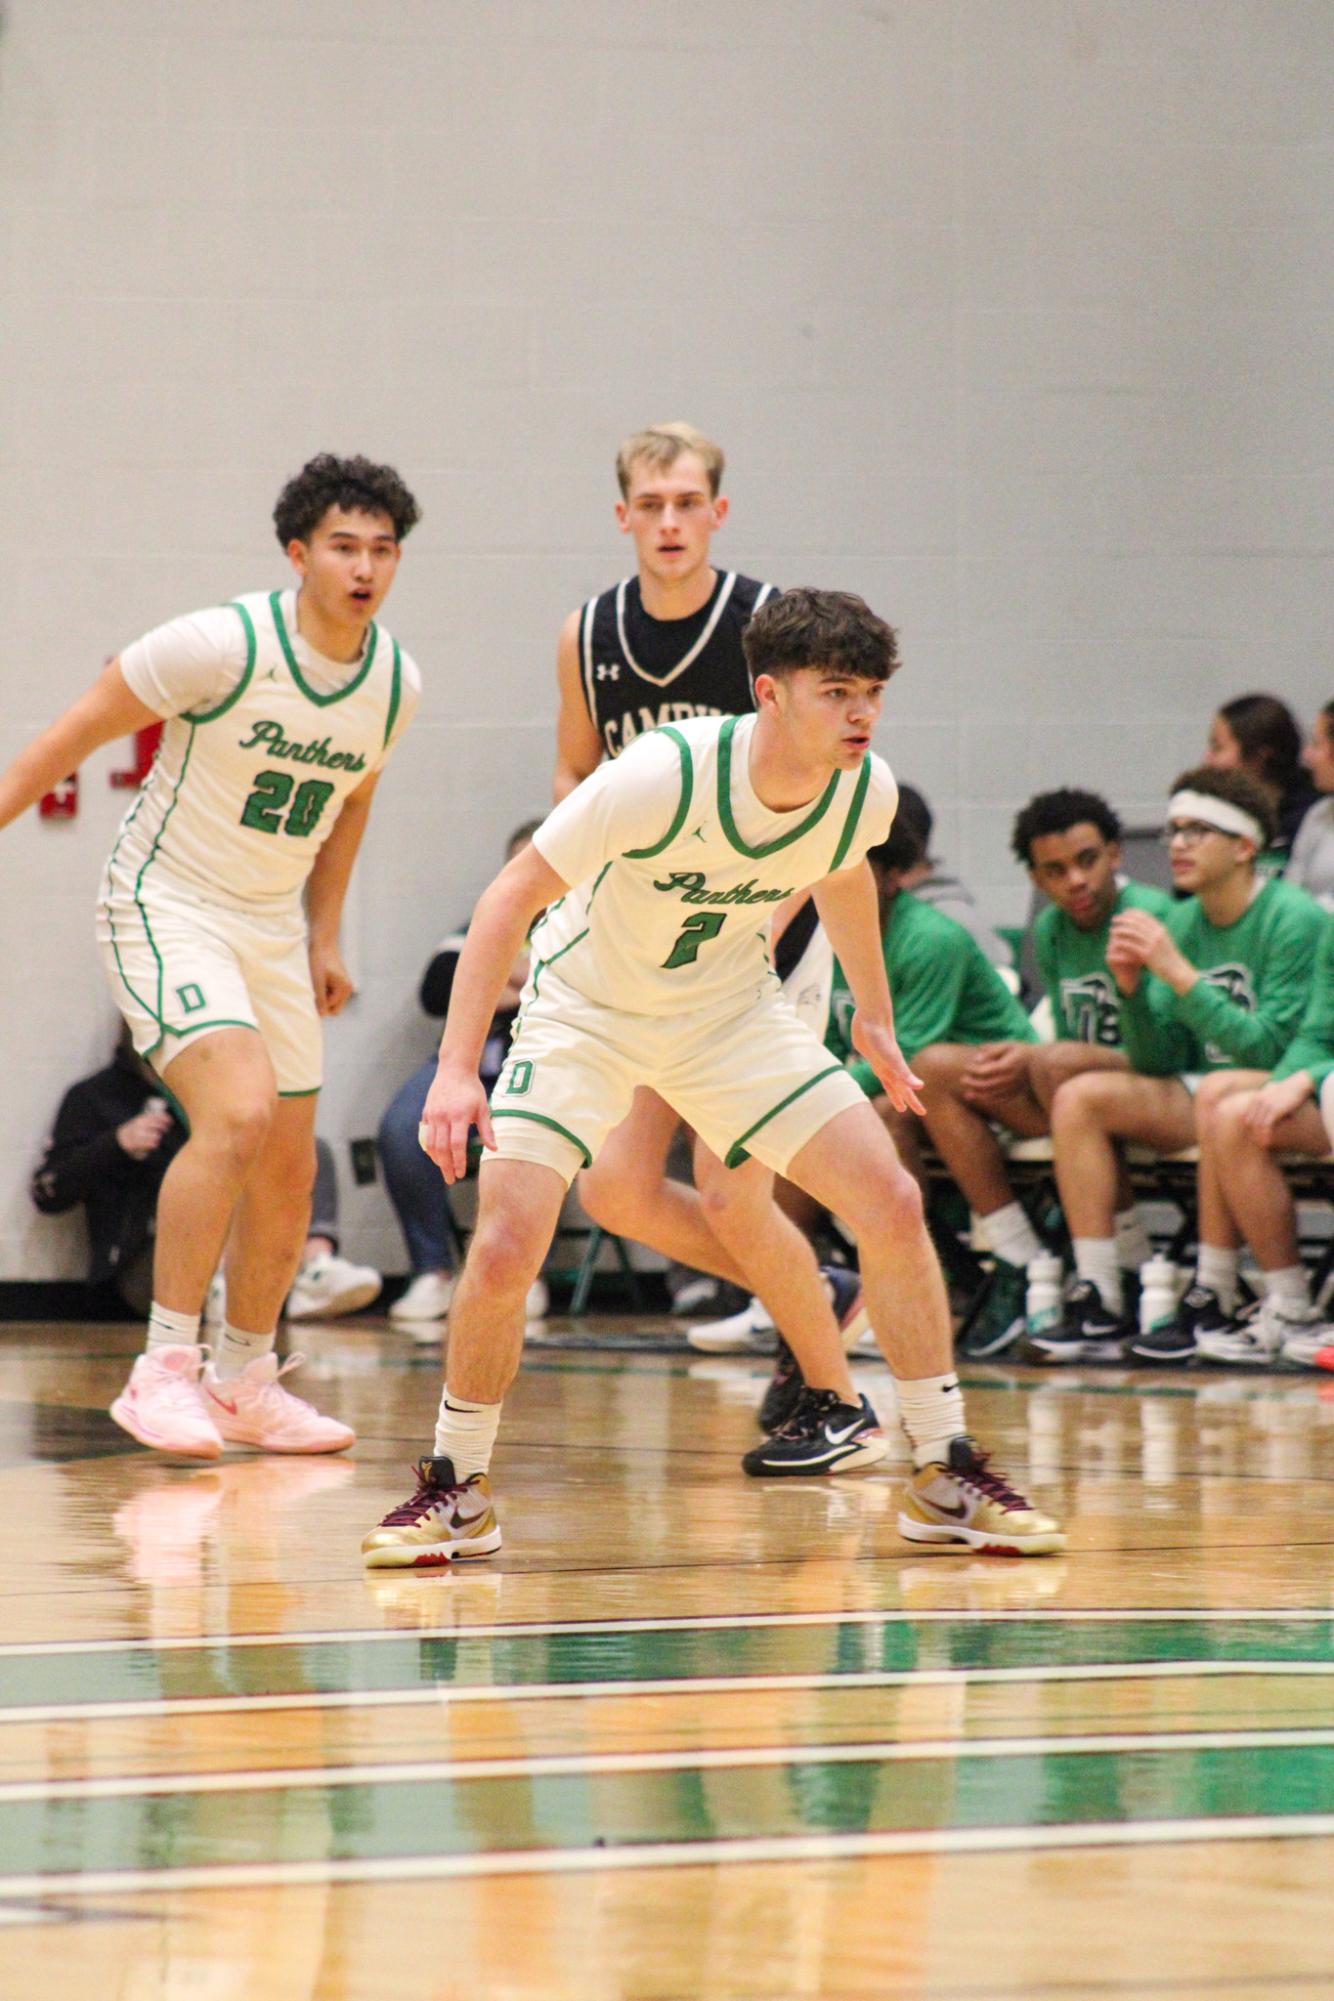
660 646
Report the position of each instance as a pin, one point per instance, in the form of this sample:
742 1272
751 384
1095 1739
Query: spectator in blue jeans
415 1184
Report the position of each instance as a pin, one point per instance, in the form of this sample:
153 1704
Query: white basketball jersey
243 794
679 923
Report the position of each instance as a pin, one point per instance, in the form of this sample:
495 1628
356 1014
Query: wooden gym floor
690 1738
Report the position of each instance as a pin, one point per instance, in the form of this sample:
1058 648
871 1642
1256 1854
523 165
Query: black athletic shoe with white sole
823 1435
1088 1332
787 1382
1198 1311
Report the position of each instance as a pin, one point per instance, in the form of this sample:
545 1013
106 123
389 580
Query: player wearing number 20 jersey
200 917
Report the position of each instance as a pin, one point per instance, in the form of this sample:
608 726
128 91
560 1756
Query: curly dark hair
356 485
1237 788
900 850
1053 812
810 628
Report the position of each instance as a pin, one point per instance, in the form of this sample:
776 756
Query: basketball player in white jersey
280 712
655 649
658 875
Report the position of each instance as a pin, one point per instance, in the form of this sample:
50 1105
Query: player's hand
882 1052
143 1134
1123 962
330 978
1273 1103
996 1070
1138 934
455 1103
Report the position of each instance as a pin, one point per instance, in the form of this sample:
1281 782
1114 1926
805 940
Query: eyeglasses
1191 832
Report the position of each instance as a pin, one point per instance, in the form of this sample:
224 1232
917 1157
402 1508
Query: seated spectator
1070 843
1244 1119
1258 735
931 882
1311 863
415 1184
1220 983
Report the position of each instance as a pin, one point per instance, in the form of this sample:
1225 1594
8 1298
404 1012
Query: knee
1079 1102
891 1205
724 1203
1221 1116
502 1257
239 1128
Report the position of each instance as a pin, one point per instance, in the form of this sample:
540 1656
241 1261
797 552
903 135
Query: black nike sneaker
1199 1311
822 1435
1089 1331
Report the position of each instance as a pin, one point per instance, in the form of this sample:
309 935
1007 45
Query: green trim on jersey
683 807
312 694
149 858
540 1119
251 647
854 815
542 964
817 813
313 1092
736 1153
395 696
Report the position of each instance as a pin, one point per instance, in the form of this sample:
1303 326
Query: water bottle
1043 1302
1159 1291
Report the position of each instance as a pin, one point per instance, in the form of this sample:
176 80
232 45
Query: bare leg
1089 1114
628 1192
225 1083
1252 1182
519 1204
1049 1066
779 1263
269 1232
1218 1220
962 1131
851 1167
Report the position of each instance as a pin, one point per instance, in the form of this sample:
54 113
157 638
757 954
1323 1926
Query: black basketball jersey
640 672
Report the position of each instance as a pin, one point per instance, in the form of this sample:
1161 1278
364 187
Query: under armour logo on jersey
608 670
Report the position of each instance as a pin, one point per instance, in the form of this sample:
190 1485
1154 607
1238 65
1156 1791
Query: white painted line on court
674 1855
711 1622
437 1771
580 1691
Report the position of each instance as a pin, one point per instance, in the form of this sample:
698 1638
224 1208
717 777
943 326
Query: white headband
1217 813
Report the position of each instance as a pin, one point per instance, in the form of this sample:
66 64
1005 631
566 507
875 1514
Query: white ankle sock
466 1432
1133 1245
236 1348
931 1412
1292 1285
171 1330
1011 1236
1095 1258
1218 1270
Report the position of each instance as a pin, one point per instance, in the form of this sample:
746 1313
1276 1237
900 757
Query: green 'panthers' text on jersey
675 867
263 740
1085 999
1247 1005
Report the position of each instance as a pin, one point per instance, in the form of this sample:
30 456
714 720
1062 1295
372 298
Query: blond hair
661 445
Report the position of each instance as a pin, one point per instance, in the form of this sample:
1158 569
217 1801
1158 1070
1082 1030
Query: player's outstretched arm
326 891
578 745
107 710
850 912
456 1100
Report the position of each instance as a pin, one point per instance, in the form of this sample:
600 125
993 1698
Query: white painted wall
1013 314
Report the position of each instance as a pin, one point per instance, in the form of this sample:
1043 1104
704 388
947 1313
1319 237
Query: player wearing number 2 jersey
659 873
218 925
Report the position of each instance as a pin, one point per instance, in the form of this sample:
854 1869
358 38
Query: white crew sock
1095 1258
1011 1236
1292 1285
931 1412
466 1432
1218 1270
236 1348
171 1330
1133 1245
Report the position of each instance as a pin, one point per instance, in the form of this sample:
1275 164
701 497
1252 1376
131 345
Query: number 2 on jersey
272 791
696 931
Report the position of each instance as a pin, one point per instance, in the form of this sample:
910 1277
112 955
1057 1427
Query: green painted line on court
342 1666
619 1810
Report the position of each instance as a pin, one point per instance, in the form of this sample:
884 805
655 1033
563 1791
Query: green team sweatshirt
944 989
1313 1047
1244 1011
1072 964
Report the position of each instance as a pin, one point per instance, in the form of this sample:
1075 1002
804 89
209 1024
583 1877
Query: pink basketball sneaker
163 1404
253 1408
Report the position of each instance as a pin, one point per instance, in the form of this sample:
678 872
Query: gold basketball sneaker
963 1501
446 1521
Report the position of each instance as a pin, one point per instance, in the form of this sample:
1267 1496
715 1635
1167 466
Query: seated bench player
658 875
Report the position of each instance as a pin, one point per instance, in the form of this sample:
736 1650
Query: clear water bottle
1160 1290
1042 1304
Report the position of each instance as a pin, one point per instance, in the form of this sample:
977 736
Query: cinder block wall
1013 314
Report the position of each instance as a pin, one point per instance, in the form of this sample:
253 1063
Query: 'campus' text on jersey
641 672
675 867
261 746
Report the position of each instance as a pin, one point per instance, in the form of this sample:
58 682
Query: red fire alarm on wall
62 801
145 743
